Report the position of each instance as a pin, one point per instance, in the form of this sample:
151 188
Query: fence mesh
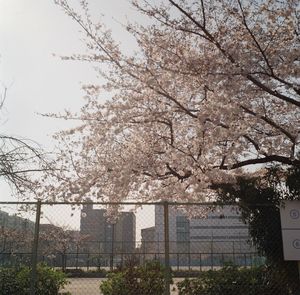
16 234
89 240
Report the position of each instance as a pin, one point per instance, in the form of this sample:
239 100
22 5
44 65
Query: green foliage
16 281
147 279
151 279
259 199
233 280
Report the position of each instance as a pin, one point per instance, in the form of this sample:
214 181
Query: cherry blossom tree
15 240
59 241
212 88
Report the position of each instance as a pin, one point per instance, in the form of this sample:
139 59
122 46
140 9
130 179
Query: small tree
56 240
14 243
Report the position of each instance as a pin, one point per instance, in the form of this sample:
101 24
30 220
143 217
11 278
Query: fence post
77 254
112 246
167 248
298 291
34 252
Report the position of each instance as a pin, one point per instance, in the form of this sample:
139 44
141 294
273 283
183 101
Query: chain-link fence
89 240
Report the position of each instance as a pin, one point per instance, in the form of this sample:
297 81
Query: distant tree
213 86
15 241
56 240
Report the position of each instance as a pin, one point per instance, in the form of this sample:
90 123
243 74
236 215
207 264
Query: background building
148 242
105 236
218 235
15 222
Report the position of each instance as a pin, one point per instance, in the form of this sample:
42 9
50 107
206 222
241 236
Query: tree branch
267 159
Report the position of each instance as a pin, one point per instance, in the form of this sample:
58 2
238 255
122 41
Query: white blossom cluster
213 87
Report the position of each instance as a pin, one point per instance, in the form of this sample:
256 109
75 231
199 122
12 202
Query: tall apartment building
104 236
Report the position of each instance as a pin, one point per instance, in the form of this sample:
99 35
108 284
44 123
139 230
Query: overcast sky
31 31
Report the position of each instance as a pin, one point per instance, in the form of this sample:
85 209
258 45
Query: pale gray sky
31 31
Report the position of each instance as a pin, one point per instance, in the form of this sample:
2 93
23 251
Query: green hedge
133 280
238 281
16 281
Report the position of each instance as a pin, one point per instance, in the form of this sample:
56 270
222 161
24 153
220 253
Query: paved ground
83 286
90 286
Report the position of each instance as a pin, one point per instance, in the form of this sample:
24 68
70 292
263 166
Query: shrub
152 279
132 280
238 281
16 281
